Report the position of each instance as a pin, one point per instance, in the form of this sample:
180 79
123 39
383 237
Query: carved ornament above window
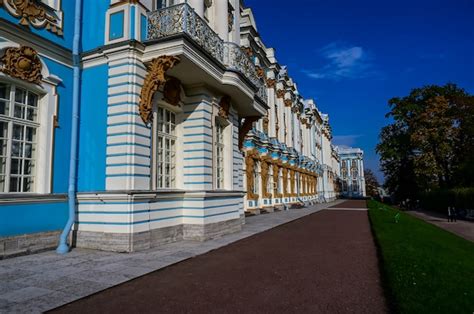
22 63
34 13
153 80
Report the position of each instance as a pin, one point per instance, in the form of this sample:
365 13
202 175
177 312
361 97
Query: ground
324 262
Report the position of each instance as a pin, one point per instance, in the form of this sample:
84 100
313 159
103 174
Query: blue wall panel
93 129
62 134
32 218
117 24
93 23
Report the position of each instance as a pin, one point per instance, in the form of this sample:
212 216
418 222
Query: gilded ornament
172 91
224 107
288 102
250 160
154 79
281 93
270 82
260 72
264 174
265 123
22 63
32 13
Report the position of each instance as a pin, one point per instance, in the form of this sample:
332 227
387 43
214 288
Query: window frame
47 111
158 178
219 142
11 121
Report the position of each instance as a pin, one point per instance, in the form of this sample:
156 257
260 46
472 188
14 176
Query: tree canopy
430 142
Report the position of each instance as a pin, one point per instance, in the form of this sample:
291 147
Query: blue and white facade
172 144
352 171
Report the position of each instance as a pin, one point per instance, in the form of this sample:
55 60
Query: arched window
18 138
165 148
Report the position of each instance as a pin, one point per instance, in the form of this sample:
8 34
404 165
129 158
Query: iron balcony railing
182 19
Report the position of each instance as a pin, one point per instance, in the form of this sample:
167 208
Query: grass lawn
425 269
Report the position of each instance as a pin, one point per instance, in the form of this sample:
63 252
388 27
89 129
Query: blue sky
353 56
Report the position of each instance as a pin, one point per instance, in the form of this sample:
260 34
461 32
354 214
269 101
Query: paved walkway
462 228
323 263
35 283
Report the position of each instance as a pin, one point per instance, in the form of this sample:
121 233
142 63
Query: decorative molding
224 107
292 181
270 82
32 13
153 80
281 93
288 102
250 159
276 177
264 175
265 123
245 128
248 51
172 91
260 72
23 63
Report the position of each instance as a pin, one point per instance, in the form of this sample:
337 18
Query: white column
237 22
222 19
198 6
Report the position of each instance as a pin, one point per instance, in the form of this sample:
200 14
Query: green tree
371 183
425 147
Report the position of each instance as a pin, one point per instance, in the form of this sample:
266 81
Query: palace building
352 171
138 123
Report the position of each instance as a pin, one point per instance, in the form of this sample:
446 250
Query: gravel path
322 263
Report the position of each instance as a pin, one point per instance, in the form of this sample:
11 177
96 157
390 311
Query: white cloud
343 61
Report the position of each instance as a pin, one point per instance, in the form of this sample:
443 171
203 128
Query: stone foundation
124 242
28 243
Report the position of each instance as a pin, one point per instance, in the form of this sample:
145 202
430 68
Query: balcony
182 20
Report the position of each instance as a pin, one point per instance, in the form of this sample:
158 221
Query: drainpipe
63 248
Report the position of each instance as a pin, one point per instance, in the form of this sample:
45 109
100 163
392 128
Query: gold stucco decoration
260 72
250 160
224 107
265 123
270 82
32 13
153 80
172 91
281 93
22 63
264 175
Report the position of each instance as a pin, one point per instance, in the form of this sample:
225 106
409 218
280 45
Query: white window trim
228 153
178 162
47 110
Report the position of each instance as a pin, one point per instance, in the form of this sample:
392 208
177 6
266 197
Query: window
18 131
165 137
219 145
256 178
160 4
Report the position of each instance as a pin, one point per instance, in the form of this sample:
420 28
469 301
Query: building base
28 244
133 242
